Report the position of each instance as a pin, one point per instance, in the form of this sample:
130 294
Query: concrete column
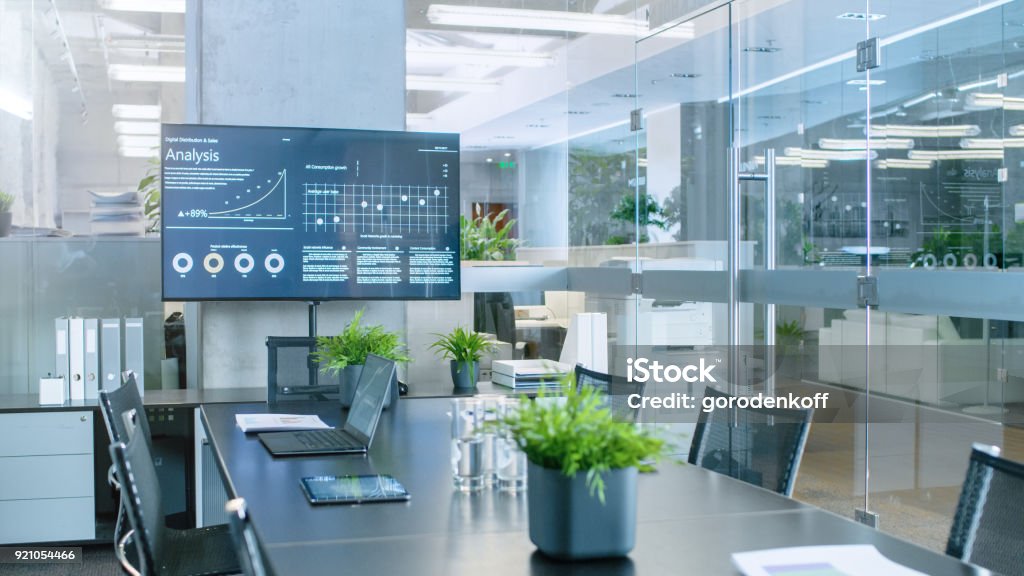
317 63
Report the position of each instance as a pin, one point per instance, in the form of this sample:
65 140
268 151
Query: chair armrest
123 558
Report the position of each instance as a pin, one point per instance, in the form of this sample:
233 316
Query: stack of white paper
274 422
852 560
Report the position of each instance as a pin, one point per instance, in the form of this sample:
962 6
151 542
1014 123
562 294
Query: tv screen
259 213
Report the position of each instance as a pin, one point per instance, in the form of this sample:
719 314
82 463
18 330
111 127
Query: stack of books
528 374
116 214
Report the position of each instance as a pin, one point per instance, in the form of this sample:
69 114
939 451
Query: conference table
689 520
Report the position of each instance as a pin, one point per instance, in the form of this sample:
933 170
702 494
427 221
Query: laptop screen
369 399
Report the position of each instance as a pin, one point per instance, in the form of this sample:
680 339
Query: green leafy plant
485 238
788 333
651 213
6 201
351 346
462 345
149 188
581 435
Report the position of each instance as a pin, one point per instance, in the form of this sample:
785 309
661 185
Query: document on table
854 560
273 422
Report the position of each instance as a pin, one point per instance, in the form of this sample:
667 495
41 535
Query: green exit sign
507 165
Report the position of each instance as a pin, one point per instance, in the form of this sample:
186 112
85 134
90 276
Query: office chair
617 388
165 551
988 528
495 313
292 371
124 416
761 446
247 544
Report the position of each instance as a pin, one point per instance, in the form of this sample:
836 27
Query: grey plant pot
5 223
350 379
567 523
464 376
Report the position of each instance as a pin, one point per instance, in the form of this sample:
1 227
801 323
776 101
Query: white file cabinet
46 477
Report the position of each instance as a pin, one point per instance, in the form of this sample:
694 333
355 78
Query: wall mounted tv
259 213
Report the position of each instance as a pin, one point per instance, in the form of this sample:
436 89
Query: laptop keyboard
324 439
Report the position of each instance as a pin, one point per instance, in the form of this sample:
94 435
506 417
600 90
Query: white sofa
920 358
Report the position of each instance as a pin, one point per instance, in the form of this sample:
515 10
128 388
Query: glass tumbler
510 461
467 451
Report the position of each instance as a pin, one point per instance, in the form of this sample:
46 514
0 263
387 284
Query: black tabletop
689 520
187 398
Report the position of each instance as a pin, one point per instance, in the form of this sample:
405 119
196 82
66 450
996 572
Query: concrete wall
291 63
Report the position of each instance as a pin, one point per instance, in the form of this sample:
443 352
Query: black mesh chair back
617 389
495 313
292 372
140 493
761 446
250 550
123 412
988 528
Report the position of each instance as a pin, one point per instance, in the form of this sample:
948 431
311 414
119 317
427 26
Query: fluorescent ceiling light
137 128
136 111
14 104
861 144
445 84
851 54
550 20
991 143
981 101
454 56
840 155
860 16
1017 130
140 73
978 84
128 152
863 82
174 6
955 154
794 161
904 163
921 99
922 131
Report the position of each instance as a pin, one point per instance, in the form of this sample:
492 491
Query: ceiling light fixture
839 155
549 20
955 154
446 84
921 99
937 131
14 104
141 73
862 144
860 16
794 161
904 163
851 54
137 128
984 101
863 82
136 111
1016 130
172 6
457 56
991 143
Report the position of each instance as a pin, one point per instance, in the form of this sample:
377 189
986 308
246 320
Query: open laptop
356 435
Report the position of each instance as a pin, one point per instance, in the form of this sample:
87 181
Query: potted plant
149 188
346 353
6 201
487 237
582 472
464 349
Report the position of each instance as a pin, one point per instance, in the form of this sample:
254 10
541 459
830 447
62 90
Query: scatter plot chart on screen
375 208
261 213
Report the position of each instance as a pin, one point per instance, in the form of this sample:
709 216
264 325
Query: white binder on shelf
92 358
62 366
110 353
76 357
133 351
